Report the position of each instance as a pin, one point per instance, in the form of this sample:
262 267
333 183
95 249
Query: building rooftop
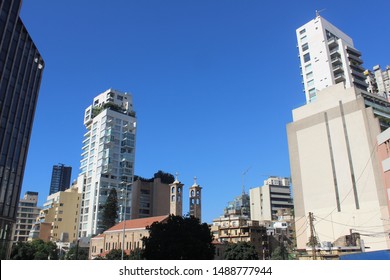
137 223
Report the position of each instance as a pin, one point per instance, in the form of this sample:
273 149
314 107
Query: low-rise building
234 229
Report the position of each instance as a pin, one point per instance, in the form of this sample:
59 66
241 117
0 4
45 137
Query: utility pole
312 237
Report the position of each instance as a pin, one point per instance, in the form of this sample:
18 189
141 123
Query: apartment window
312 92
305 47
302 31
308 68
304 39
309 75
306 57
310 84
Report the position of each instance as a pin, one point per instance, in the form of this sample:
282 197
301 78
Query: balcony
128 143
358 82
337 70
355 58
333 54
357 73
332 42
339 78
336 61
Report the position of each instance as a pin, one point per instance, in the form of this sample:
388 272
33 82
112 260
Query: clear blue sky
213 82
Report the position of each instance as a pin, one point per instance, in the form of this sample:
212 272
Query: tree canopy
110 210
240 251
35 250
75 253
179 238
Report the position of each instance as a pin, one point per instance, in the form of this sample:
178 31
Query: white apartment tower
327 57
107 159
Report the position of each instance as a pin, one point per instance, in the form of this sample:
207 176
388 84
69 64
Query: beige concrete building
134 231
150 198
335 170
26 216
59 219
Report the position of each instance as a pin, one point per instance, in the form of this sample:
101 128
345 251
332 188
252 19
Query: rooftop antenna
318 12
243 176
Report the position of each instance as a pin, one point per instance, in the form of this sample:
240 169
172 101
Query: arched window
173 198
173 189
192 192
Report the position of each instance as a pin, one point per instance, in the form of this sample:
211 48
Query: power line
352 226
357 180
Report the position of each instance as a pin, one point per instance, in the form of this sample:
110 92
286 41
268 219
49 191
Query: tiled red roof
137 223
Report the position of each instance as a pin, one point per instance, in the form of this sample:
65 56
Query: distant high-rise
379 81
60 178
21 67
107 159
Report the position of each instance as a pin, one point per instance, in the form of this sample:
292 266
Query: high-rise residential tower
327 57
107 159
335 170
60 178
21 68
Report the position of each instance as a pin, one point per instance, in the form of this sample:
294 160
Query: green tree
136 254
116 254
35 250
241 251
110 210
280 253
75 253
179 238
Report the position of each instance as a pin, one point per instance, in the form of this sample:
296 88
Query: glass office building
21 68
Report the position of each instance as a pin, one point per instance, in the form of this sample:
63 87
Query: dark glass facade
60 178
21 68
